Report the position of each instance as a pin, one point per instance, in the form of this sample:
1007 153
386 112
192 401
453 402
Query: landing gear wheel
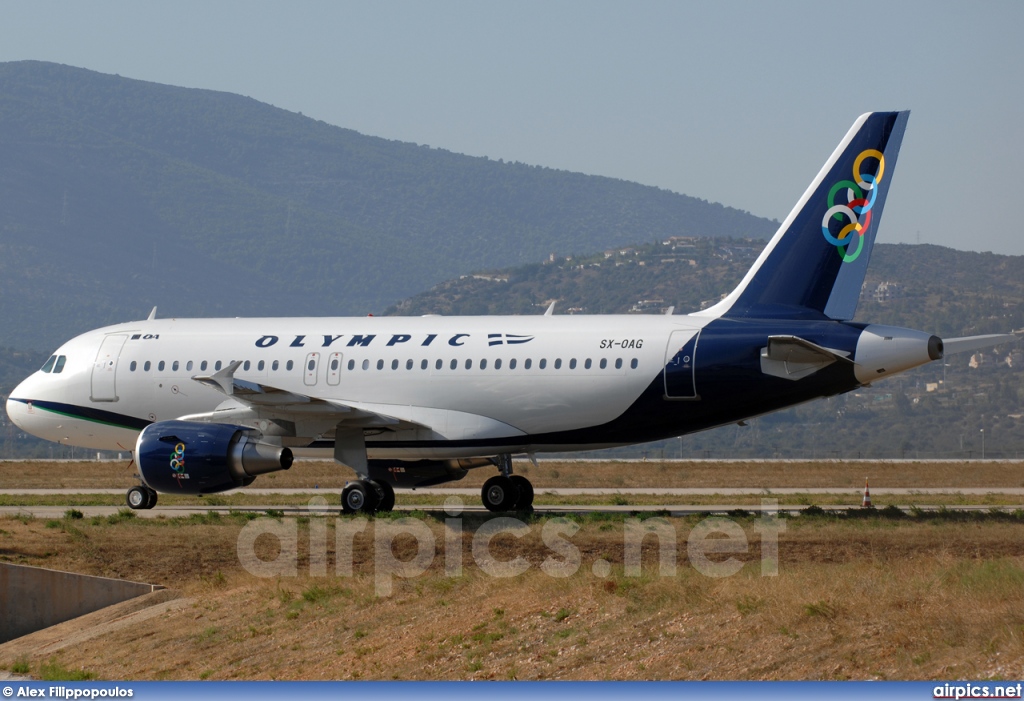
525 489
359 496
139 498
152 498
499 494
386 494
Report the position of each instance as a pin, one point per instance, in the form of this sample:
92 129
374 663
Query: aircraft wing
251 399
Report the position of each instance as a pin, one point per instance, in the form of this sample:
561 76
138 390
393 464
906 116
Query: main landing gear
507 492
141 497
367 496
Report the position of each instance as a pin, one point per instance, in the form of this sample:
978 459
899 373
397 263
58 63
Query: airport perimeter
921 591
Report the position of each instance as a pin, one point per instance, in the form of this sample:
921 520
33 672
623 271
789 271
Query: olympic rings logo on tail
857 210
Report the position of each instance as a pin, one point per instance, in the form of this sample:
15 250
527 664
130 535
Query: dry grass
855 598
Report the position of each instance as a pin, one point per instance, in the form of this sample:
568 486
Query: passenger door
104 370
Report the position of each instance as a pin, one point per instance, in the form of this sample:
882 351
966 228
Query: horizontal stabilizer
969 343
793 358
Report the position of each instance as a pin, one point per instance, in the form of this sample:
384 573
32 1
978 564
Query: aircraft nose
17 411
20 409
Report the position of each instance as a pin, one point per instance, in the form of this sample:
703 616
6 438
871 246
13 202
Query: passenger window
455 363
161 366
512 364
133 366
483 364
438 364
423 364
275 365
189 366
527 364
351 364
469 364
289 365
497 363
334 364
246 365
558 363
633 363
588 364
408 364
380 364
261 365
174 366
61 359
618 363
203 365
572 364
147 366
311 366
394 364
542 364
604 363
366 364
48 365
216 366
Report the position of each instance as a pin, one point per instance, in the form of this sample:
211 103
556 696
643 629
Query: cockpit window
48 366
61 359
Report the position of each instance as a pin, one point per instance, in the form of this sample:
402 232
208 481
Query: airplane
208 405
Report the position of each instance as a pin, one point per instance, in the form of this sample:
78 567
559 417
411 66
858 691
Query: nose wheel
141 497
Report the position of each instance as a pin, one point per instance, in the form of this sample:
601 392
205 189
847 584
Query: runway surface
57 512
653 491
472 501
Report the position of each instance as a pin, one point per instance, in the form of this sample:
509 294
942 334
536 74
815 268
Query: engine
186 457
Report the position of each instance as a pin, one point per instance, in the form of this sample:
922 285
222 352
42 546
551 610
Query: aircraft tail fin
814 266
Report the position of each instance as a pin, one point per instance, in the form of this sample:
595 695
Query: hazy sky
734 102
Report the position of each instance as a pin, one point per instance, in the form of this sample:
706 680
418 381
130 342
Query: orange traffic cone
866 504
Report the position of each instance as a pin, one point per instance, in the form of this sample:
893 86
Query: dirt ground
864 598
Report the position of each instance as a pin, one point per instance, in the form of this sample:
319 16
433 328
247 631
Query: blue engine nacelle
187 457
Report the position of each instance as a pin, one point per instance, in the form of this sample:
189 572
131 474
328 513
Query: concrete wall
32 598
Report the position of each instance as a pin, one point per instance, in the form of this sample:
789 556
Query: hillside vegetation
931 412
117 195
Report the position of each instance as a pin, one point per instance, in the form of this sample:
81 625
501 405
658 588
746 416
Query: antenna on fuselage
152 315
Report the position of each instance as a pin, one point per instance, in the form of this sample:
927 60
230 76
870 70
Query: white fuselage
466 378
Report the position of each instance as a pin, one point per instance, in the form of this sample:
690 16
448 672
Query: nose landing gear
141 497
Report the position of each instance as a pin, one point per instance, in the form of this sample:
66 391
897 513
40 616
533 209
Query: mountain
118 194
941 290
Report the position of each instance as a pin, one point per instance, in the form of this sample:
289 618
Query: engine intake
187 457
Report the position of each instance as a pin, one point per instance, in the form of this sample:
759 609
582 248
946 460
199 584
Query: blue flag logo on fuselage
510 339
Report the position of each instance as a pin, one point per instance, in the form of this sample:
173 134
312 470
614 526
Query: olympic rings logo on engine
857 210
178 458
